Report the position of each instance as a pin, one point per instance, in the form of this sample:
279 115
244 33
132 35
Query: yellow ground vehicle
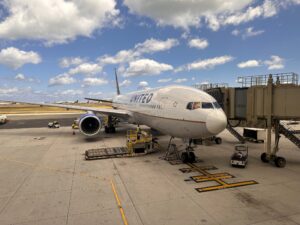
139 141
75 125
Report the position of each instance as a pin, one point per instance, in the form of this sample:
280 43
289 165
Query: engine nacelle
89 124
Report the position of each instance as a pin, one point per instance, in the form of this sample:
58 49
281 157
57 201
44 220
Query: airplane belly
174 127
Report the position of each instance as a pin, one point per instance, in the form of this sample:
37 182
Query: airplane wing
98 100
106 111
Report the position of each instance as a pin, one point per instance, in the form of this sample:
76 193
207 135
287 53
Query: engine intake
90 124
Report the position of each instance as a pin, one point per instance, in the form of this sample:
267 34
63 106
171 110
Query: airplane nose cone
216 122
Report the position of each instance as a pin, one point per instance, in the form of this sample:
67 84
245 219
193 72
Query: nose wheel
188 156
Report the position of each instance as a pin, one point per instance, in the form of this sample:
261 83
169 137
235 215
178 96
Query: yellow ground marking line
203 179
218 187
82 174
217 177
119 203
199 169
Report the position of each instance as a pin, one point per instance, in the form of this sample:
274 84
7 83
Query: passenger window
207 105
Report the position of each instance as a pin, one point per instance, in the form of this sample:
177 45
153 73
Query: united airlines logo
142 98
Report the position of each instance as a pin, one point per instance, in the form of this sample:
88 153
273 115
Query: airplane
179 111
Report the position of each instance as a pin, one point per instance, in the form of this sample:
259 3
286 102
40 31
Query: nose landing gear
188 156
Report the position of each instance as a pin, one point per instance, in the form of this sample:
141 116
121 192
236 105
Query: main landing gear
188 156
110 125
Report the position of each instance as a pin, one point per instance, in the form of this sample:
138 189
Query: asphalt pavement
37 121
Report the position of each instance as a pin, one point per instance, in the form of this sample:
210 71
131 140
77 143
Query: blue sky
65 50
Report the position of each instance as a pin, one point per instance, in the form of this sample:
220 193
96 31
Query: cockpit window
193 105
189 106
216 105
207 105
203 105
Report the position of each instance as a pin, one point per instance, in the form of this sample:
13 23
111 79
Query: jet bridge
263 102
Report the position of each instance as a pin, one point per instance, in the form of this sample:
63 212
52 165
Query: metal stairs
289 133
235 133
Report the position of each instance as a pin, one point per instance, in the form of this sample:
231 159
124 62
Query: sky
60 50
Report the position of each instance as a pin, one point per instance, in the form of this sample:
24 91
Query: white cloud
205 64
183 14
70 61
143 84
180 80
20 76
215 13
164 80
251 33
121 57
242 17
125 83
267 9
148 46
16 58
198 43
275 63
248 32
8 91
55 21
93 81
146 67
61 79
70 92
154 45
249 63
88 69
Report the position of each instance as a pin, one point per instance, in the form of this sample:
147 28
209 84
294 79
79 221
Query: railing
210 85
289 133
279 78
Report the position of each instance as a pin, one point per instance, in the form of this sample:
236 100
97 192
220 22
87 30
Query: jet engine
89 124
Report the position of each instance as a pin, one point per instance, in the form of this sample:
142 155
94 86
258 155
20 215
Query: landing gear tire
184 157
218 140
110 130
106 130
264 157
192 157
280 162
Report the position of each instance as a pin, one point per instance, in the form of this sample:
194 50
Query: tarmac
44 179
38 120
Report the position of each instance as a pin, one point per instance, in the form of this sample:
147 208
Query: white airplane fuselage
168 110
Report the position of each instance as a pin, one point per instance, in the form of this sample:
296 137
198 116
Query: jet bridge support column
270 154
269 116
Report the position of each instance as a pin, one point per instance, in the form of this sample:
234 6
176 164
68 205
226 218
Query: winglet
117 82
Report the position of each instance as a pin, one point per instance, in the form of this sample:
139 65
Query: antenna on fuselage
117 82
